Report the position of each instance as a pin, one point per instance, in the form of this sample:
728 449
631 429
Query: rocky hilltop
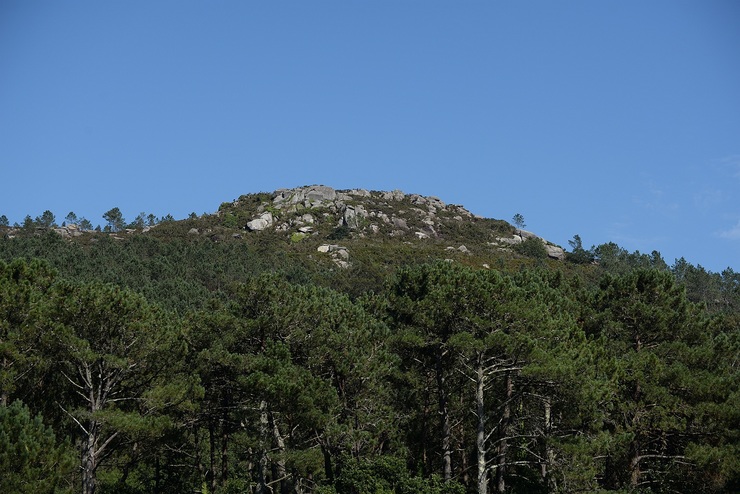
324 212
345 225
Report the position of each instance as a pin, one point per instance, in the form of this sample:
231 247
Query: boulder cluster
363 213
356 209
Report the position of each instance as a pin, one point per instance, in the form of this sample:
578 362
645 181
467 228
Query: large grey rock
359 192
320 193
353 215
395 195
312 195
62 231
400 223
555 252
263 221
329 248
524 234
510 240
436 202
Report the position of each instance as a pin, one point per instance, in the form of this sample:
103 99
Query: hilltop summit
323 212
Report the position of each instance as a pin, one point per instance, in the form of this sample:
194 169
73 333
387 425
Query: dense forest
167 361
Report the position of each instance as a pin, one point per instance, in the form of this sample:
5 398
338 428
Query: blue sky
615 120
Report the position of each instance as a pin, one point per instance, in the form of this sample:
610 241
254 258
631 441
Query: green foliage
248 362
518 221
115 220
388 475
340 233
28 223
139 222
532 247
31 459
653 334
24 285
617 260
46 220
85 225
4 220
577 254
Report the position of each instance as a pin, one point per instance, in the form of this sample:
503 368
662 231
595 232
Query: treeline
113 217
149 365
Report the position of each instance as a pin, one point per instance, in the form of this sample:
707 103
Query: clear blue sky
615 120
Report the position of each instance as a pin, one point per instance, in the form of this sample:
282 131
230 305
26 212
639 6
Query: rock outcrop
339 254
553 251
260 223
325 214
302 211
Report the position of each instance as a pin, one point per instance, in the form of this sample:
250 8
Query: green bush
31 460
388 475
297 237
532 247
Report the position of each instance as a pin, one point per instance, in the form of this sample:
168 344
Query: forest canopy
167 363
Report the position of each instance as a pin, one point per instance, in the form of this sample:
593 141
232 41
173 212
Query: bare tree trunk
549 454
480 439
211 475
445 418
89 460
503 446
281 470
635 472
262 466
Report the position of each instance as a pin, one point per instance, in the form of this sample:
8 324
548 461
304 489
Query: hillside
313 340
319 214
342 224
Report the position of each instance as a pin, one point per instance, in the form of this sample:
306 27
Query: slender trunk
328 469
635 472
199 466
549 456
89 459
480 438
503 446
262 465
156 475
211 475
224 446
425 432
281 471
4 393
445 418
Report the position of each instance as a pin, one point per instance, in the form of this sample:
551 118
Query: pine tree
31 458
113 348
651 330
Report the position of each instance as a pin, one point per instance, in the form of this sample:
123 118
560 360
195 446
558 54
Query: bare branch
75 419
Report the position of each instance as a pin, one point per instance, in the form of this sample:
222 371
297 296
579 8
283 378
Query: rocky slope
326 213
341 225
